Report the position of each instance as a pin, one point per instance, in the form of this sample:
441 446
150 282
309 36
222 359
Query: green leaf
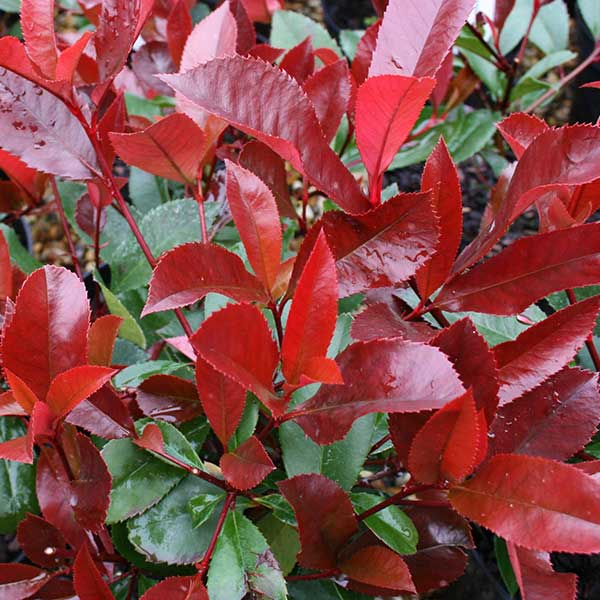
281 508
467 40
11 6
340 461
516 25
283 540
550 31
165 532
134 375
490 75
139 480
146 191
349 39
136 105
541 67
247 423
323 590
126 353
390 525
18 253
289 28
196 432
202 507
505 567
243 563
590 11
17 481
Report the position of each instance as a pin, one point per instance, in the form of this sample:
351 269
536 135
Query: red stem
199 197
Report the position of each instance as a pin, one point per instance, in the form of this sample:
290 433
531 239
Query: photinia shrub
279 376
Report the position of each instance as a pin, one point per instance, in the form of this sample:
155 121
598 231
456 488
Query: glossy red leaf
537 579
447 446
6 274
415 37
474 362
88 582
70 57
261 10
256 217
247 465
394 382
329 91
544 349
18 449
379 567
251 359
403 428
48 331
516 497
299 61
101 339
71 387
520 129
168 398
171 148
19 582
37 22
440 176
42 542
179 28
187 273
256 97
325 518
555 159
30 182
387 109
526 271
246 34
222 399
10 407
177 588
364 53
312 317
555 420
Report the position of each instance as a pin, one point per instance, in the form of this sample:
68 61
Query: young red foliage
35 535
21 581
177 588
37 18
89 584
179 28
168 398
101 339
247 465
299 62
520 129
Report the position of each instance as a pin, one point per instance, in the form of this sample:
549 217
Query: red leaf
48 331
101 339
246 34
503 8
21 392
520 129
544 349
440 176
329 91
555 420
414 37
258 98
537 579
68 61
325 518
516 497
30 182
299 62
247 465
171 148
261 10
179 28
19 449
313 314
42 542
447 446
403 428
556 159
6 274
394 382
150 60
256 217
387 109
37 22
187 273
89 584
88 216
251 359
38 128
70 388
473 361
10 407
526 271
18 582
379 567
168 398
364 53
223 400
177 588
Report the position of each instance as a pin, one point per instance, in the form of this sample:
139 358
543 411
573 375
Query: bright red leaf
37 22
179 28
18 582
247 465
89 584
101 339
168 398
299 61
177 588
364 53
520 129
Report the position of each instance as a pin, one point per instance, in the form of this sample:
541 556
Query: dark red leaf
526 271
256 97
544 349
42 542
387 109
114 120
153 58
177 588
329 91
414 37
403 428
89 584
447 446
70 57
101 339
88 216
379 567
516 497
37 22
246 34
555 420
6 274
537 579
394 381
168 398
312 317
503 8
247 465
251 359
256 217
261 10
222 399
299 62
187 273
520 129
325 518
440 176
364 53
30 182
179 28
48 331
18 582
